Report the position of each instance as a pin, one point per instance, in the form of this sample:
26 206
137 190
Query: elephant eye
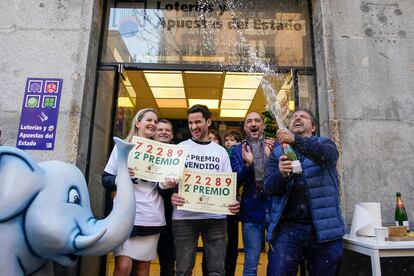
74 196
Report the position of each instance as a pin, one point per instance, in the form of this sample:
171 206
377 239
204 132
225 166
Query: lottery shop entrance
169 56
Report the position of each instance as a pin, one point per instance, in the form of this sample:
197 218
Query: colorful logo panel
40 110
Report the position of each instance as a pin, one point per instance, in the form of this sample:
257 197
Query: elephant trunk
107 234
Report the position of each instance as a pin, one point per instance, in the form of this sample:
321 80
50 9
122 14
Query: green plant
270 124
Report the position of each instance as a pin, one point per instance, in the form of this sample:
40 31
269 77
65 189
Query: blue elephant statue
45 213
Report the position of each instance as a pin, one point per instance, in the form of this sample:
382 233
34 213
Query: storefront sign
188 31
40 109
208 192
154 161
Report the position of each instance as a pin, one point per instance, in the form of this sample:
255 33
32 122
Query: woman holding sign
149 218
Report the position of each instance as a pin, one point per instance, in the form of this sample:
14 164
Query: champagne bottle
291 155
401 218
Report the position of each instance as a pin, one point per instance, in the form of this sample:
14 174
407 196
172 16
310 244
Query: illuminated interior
229 95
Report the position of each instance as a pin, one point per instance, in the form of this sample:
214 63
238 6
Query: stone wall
365 63
52 39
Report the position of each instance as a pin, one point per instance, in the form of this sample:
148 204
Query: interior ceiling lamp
125 102
164 79
171 103
131 91
238 94
168 92
287 84
125 78
204 72
211 104
240 80
233 113
232 104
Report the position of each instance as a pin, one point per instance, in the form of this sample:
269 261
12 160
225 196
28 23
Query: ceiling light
233 113
232 104
164 79
126 79
242 81
212 104
125 102
171 103
204 72
168 92
238 94
131 91
287 84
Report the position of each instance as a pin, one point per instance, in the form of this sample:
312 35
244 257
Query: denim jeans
253 234
294 242
213 233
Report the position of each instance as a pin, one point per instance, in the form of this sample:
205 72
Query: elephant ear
20 181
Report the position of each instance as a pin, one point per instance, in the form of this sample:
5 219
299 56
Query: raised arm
321 150
239 167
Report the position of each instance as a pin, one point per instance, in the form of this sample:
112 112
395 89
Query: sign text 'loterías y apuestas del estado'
40 109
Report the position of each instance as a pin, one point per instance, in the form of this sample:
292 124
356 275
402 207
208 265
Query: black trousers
165 247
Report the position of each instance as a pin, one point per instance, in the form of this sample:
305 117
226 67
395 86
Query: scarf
259 156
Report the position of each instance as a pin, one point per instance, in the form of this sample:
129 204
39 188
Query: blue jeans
294 242
253 234
213 233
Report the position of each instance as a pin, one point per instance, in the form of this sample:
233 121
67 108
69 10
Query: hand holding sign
234 207
156 161
208 192
169 183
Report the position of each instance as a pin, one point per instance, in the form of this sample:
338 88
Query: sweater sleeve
108 181
238 166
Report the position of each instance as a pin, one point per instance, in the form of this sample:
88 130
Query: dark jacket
253 206
318 157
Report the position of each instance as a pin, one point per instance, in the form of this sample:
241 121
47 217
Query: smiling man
248 160
164 131
186 225
164 134
306 221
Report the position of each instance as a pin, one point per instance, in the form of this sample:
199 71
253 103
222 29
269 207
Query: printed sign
154 161
40 109
176 25
207 192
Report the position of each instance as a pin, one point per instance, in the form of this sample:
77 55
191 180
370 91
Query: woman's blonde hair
137 118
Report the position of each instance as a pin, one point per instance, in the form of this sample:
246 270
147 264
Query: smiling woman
149 206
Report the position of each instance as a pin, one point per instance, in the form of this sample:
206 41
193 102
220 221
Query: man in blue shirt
306 221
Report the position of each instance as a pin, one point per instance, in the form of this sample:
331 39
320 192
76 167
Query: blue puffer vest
321 183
